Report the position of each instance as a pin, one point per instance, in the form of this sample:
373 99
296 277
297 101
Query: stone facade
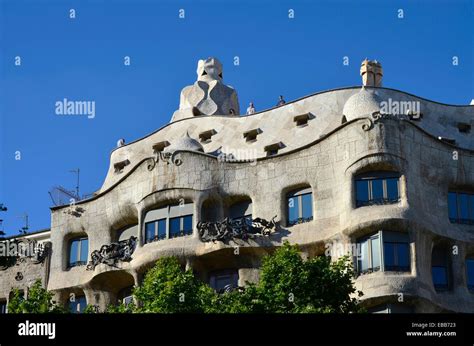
216 162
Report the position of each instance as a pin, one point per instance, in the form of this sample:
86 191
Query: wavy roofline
316 141
288 103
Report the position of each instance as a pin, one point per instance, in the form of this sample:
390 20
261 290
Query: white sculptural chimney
372 73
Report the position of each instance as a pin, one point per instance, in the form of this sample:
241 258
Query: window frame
381 238
232 273
78 262
298 195
167 213
470 207
370 177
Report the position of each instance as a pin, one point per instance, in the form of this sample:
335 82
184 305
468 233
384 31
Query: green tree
39 301
166 288
288 284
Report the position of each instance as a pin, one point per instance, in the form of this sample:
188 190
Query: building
374 169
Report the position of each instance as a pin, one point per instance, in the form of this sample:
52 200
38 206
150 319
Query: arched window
299 206
440 268
78 252
171 221
383 250
375 188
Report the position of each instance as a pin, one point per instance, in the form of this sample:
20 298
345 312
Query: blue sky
82 59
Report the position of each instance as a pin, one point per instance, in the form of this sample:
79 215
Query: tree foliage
288 284
39 300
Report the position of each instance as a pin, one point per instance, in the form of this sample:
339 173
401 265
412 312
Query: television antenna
61 196
24 229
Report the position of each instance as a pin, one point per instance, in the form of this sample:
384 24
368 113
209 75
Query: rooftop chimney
372 73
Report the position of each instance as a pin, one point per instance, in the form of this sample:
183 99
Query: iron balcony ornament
241 228
112 253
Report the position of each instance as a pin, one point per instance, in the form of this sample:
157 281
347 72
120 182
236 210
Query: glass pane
363 262
293 207
389 255
470 273
463 207
375 245
362 192
175 227
377 190
440 278
453 206
188 224
471 207
150 231
403 254
162 229
392 189
73 252
307 202
84 250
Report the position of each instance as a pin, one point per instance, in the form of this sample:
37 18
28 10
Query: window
439 268
300 206
78 305
273 149
395 255
3 307
78 252
470 274
461 207
171 221
155 230
377 188
224 280
241 210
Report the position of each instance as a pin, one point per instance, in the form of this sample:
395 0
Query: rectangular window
3 307
224 280
369 257
188 224
362 192
392 189
78 252
307 206
175 227
440 277
470 274
396 256
377 188
293 210
84 250
461 207
73 254
150 231
161 229
78 305
300 207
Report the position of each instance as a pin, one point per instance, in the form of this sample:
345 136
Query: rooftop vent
157 147
464 127
251 135
205 137
302 119
119 166
272 149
